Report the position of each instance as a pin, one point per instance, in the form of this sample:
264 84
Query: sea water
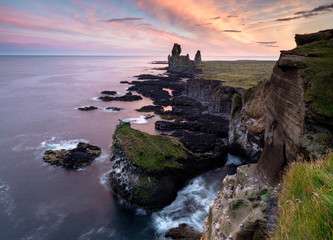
39 97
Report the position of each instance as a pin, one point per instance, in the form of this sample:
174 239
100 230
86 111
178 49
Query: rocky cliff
294 109
299 107
247 122
148 170
238 211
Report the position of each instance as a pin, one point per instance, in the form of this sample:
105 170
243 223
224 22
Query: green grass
306 201
244 74
152 152
318 75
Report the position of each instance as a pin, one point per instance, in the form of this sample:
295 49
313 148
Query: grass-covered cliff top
244 74
151 152
306 201
318 75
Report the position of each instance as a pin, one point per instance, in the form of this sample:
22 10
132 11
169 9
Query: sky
150 27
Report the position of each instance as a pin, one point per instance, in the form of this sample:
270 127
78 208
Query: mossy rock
153 153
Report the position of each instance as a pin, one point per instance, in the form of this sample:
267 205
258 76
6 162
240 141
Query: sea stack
197 58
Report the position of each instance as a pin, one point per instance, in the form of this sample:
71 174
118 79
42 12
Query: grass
318 75
244 74
306 201
152 152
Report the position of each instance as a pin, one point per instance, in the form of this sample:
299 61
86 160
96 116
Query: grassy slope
319 75
151 152
306 201
243 74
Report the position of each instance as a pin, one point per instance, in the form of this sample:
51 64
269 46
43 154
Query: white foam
234 160
96 99
110 110
64 144
7 203
139 120
191 207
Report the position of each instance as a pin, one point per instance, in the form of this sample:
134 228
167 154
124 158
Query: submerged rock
80 156
87 108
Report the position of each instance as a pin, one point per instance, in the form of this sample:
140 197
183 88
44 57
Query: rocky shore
272 122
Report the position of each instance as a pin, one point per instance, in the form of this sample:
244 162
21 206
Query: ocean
39 97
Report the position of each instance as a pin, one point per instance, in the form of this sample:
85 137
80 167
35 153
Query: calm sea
39 97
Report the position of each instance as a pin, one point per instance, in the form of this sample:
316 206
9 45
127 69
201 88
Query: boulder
183 232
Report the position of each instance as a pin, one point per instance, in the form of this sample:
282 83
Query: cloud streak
126 19
306 14
266 42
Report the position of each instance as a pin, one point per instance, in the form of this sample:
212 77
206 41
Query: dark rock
197 58
197 142
183 232
176 50
87 108
80 156
125 82
109 92
150 108
207 124
128 97
302 39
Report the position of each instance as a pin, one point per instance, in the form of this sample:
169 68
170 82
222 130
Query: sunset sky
150 27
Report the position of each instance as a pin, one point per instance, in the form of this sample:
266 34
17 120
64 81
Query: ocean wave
7 203
139 120
63 144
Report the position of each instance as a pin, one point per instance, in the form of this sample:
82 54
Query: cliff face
299 107
212 94
238 211
247 121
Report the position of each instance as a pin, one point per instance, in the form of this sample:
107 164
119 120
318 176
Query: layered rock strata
299 108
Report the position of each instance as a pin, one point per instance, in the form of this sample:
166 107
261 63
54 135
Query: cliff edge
299 107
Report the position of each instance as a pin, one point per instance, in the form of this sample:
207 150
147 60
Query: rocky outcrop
302 39
180 63
78 157
299 107
148 170
247 122
238 211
